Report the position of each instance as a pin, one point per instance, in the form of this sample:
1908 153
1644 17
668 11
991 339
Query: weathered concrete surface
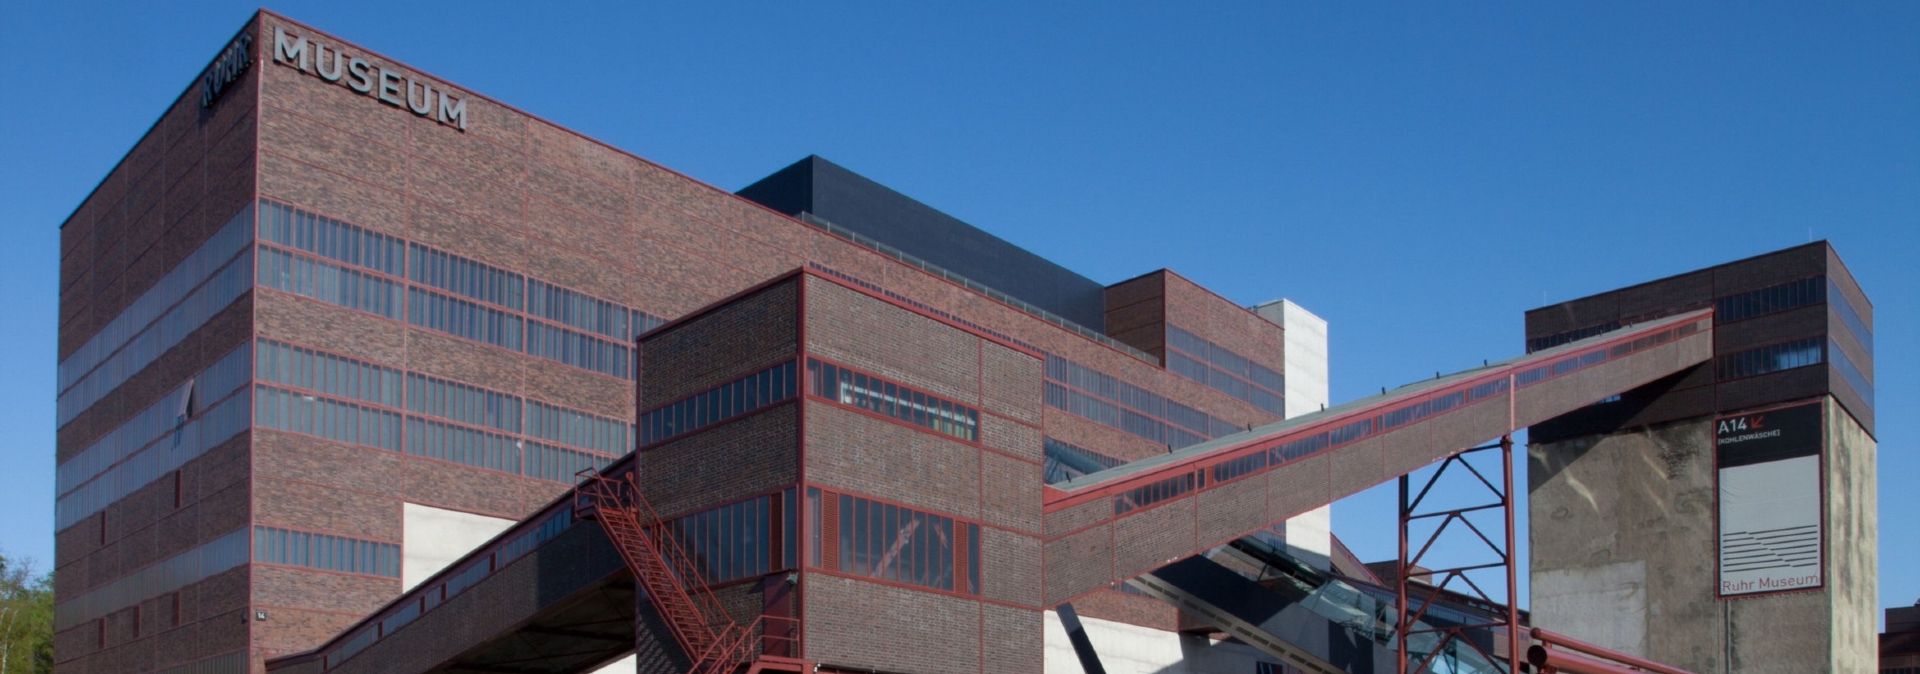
1622 554
1853 541
1621 536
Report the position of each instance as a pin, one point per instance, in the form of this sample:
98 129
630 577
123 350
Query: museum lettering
391 87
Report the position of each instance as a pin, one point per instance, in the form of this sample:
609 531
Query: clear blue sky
1418 174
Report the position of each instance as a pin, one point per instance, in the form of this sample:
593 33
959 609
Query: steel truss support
1456 578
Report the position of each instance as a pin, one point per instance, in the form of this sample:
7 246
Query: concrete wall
1622 554
1309 534
435 537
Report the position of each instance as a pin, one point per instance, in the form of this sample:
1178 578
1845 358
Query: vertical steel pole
1514 650
1400 626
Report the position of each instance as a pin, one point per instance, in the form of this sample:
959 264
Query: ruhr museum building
361 371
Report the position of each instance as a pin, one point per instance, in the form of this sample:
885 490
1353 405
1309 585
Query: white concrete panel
1131 649
1604 605
1309 534
433 537
626 665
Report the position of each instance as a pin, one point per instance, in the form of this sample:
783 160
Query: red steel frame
1440 578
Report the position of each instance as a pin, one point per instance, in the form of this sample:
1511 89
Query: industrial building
364 372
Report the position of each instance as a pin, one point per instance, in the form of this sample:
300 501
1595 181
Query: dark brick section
1701 391
719 345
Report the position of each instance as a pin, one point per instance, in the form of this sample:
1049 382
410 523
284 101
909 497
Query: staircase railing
714 642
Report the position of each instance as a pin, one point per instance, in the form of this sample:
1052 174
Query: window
464 277
329 553
1193 357
476 448
182 444
1850 372
1772 299
579 350
1844 307
737 540
329 283
902 545
1106 399
169 575
466 404
325 417
1065 462
578 429
159 300
577 310
735 398
218 291
559 464
1771 358
1155 492
857 389
461 318
329 238
327 373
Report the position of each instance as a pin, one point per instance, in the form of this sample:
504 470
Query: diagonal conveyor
1106 527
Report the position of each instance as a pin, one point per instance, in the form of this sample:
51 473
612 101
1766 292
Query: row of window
1789 295
327 373
329 283
1064 461
1114 402
857 389
1844 306
330 238
1218 380
433 396
462 445
176 572
210 257
1849 371
559 464
231 663
1383 422
889 542
737 540
162 418
1193 357
587 313
362 425
740 396
362 381
331 419
461 276
472 291
578 429
1589 358
186 443
320 551
1157 491
580 350
528 538
461 318
1770 358
1570 336
200 306
1107 413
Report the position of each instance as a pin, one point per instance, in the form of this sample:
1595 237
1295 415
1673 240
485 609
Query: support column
1498 554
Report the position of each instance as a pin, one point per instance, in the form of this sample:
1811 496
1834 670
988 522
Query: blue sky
1418 174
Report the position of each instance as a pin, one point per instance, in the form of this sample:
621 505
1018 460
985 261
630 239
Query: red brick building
333 321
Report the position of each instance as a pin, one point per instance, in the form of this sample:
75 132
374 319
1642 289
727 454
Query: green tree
26 618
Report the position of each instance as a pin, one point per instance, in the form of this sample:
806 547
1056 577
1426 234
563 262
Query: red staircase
709 635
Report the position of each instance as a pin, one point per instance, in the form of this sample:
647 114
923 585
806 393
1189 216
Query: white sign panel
1770 503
